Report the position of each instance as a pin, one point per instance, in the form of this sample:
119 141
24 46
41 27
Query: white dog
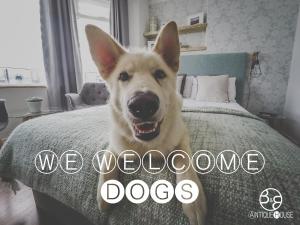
145 107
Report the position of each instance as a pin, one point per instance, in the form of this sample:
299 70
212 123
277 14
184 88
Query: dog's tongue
146 130
146 126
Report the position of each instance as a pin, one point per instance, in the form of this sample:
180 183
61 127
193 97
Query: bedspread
230 197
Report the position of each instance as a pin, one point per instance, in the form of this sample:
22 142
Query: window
94 12
21 55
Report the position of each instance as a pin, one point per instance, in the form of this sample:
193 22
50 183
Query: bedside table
278 123
270 118
28 116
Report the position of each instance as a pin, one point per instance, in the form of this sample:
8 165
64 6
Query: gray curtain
119 21
61 50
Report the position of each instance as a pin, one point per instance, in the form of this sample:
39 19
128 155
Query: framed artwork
196 18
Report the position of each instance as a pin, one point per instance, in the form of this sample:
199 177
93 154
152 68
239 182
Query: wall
16 105
267 26
292 104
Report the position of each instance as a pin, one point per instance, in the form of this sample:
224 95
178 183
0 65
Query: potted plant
34 104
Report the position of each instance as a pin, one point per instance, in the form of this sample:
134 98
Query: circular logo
270 199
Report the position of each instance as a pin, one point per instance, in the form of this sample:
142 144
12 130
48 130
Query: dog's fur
111 60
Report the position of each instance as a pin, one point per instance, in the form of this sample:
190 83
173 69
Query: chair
91 94
3 118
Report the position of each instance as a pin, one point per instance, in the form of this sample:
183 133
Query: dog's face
142 85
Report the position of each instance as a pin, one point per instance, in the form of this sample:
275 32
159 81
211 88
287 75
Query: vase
35 106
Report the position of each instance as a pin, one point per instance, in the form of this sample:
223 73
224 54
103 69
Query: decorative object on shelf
150 45
196 18
34 104
35 77
153 24
6 75
188 48
19 77
184 45
3 78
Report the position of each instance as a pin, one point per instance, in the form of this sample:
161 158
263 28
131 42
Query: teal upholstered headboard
233 64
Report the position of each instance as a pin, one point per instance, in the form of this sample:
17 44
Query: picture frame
196 18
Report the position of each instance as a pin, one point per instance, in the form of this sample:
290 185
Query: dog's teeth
141 131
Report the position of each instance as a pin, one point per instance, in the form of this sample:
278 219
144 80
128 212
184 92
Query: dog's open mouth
146 130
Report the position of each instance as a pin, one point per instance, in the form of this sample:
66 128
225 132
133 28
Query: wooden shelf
192 28
190 49
181 30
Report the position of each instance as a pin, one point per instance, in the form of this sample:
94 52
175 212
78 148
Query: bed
70 199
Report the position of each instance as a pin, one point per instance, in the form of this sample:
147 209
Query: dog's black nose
143 105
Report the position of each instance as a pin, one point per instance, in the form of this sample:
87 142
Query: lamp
255 66
255 72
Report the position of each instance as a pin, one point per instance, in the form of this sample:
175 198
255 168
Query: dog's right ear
104 49
167 45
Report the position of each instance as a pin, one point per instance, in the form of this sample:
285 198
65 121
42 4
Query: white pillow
187 91
194 88
212 88
232 89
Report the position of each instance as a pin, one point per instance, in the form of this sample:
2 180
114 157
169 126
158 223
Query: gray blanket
230 197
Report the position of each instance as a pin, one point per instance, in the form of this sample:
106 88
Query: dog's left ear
105 51
167 45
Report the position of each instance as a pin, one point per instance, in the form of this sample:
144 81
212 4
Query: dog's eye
124 76
159 74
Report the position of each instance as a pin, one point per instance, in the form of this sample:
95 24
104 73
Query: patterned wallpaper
267 26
